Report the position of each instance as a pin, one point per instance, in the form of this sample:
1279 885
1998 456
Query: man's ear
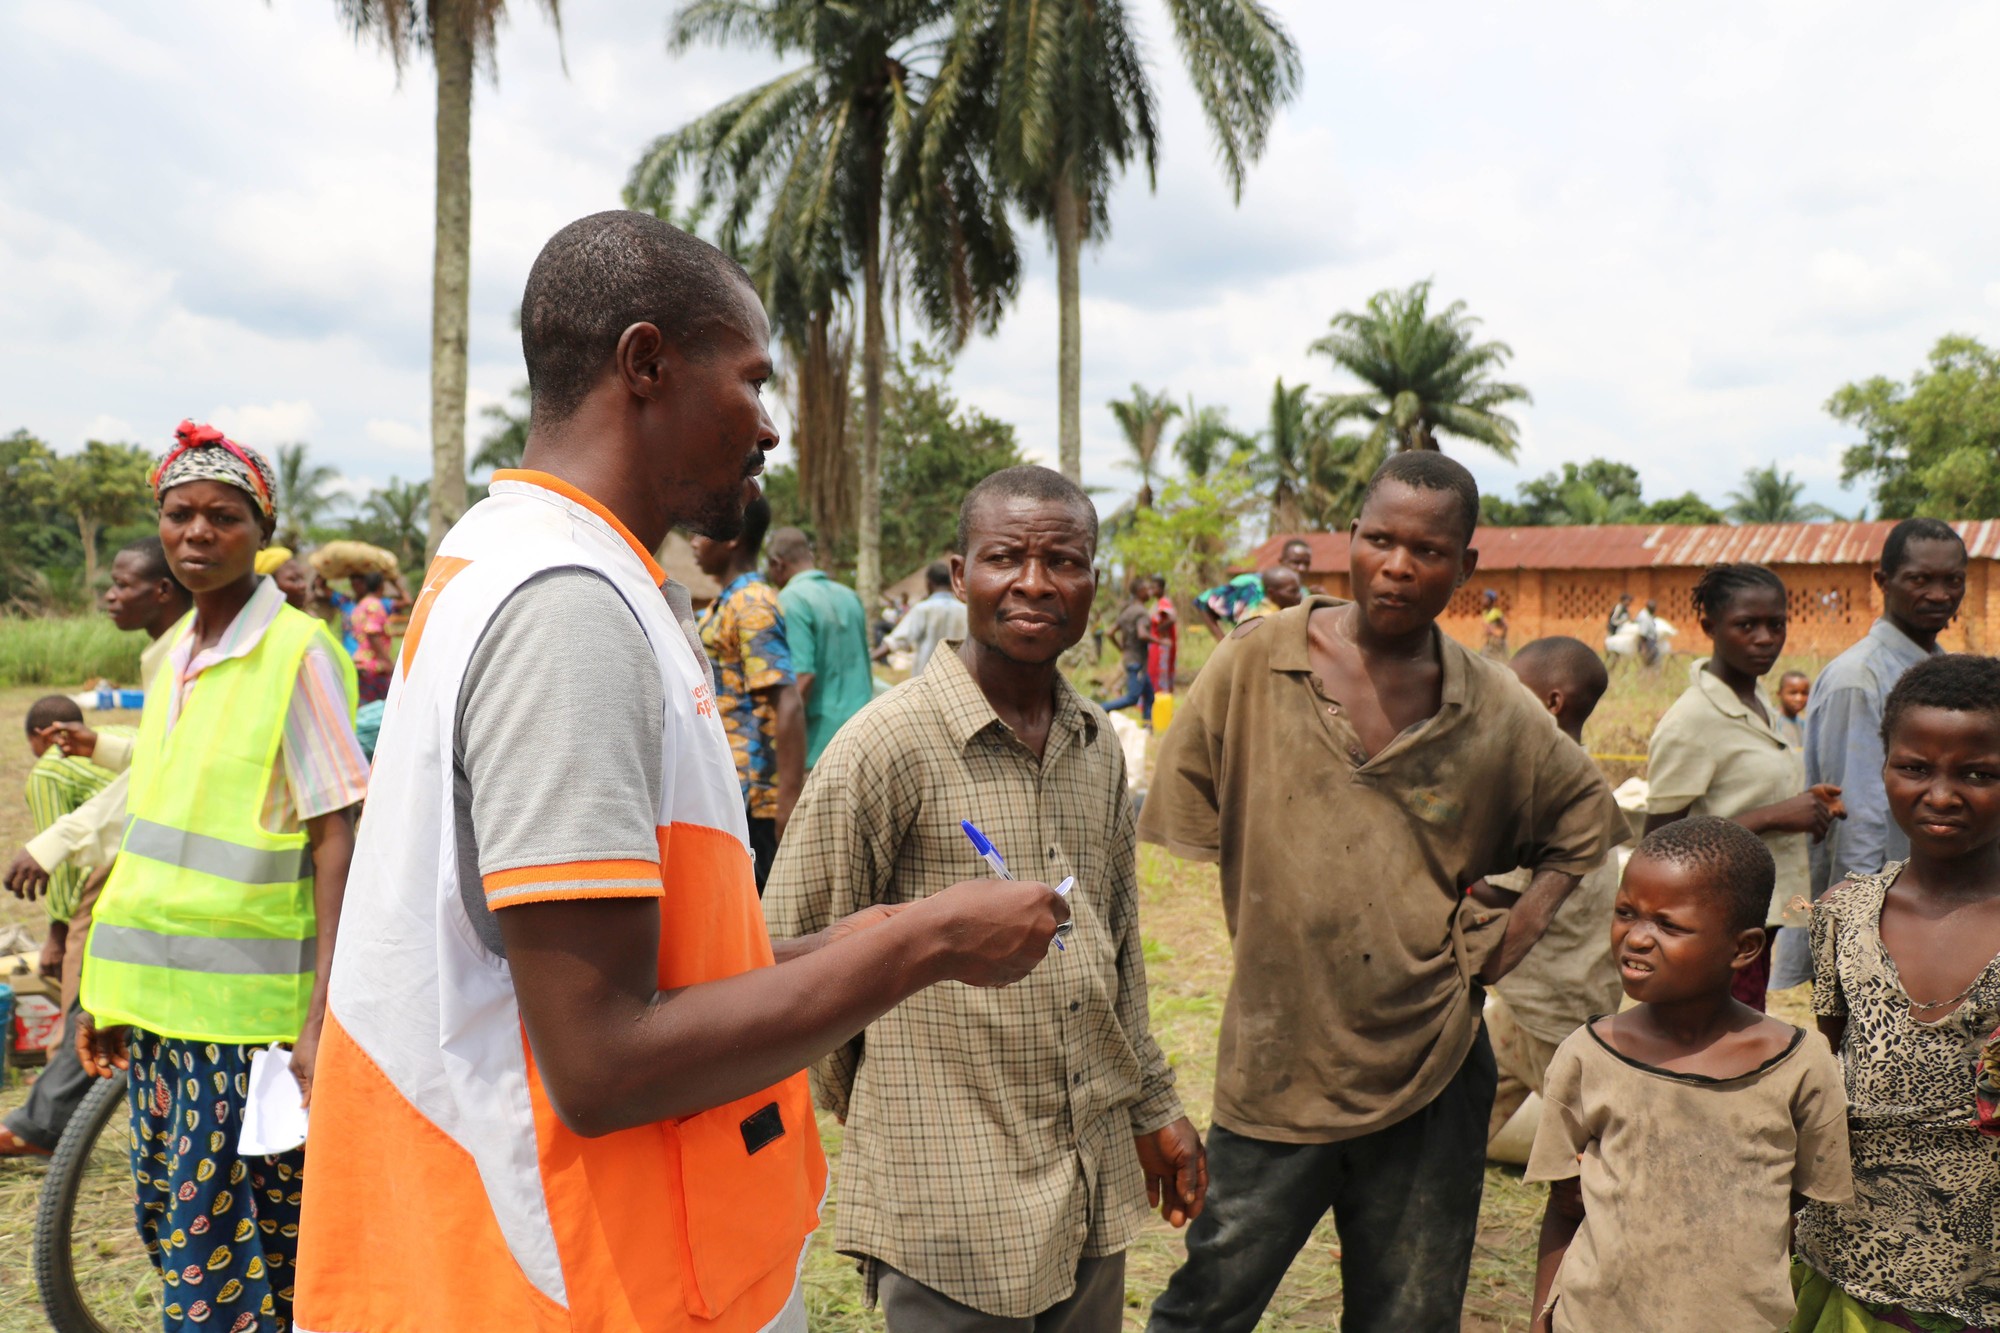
1466 566
1554 701
640 360
958 577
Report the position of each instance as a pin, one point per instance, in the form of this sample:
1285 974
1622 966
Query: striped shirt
323 769
58 784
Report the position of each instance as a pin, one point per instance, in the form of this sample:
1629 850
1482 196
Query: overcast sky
1692 222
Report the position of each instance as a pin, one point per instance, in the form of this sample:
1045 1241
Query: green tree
503 445
1769 496
933 447
1196 524
459 36
36 538
101 485
393 517
1143 418
1426 374
1686 508
1063 84
1591 494
1207 438
828 155
302 497
1932 446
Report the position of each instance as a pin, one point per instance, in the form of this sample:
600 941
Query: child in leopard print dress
1906 982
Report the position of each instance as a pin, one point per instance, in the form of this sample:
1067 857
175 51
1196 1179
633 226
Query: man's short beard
720 519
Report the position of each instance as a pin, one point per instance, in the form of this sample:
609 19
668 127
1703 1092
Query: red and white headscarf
203 453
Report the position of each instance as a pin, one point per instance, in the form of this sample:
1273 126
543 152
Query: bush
66 651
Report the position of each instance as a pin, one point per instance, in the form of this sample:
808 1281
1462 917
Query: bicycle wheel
93 1271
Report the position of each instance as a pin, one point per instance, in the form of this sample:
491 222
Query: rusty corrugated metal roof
1652 546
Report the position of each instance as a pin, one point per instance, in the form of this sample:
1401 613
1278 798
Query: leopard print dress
1924 1229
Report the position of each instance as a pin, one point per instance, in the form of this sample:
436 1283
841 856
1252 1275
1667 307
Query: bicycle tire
55 1214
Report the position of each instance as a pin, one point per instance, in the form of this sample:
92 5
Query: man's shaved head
1560 666
790 544
599 276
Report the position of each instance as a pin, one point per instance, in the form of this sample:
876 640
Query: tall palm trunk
868 545
826 473
86 530
451 42
1069 341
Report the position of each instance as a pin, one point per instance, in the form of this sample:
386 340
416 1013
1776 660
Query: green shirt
828 634
57 785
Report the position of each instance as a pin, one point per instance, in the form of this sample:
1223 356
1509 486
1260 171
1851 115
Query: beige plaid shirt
989 1132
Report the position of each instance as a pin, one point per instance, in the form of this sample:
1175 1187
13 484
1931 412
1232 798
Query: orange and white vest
442 1192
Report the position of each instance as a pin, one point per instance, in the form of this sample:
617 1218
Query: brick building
1566 580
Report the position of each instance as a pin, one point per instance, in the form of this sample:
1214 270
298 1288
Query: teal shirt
828 634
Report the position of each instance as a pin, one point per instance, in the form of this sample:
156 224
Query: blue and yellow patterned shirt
744 632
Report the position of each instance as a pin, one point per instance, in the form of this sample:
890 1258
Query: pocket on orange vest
751 1180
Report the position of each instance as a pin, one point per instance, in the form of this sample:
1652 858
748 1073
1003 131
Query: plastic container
128 699
1163 712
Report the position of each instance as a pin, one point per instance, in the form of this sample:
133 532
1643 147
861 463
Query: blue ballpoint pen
998 865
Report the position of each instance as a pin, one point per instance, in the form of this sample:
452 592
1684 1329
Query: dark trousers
53 1099
763 848
1138 690
1405 1200
1096 1306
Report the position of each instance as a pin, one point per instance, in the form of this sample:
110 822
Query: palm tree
829 155
1064 86
302 497
1769 496
504 444
458 34
1337 471
1207 439
1426 374
394 517
1144 418
1290 440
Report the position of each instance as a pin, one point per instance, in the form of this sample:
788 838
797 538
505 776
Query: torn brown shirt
1352 1002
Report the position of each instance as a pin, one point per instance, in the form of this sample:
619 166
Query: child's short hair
52 708
1956 682
1791 676
1734 864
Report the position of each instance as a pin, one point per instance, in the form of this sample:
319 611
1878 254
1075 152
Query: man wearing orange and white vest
560 1082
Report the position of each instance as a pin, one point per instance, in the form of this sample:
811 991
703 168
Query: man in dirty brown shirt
1354 771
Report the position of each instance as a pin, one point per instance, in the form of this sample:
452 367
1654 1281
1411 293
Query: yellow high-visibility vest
205 930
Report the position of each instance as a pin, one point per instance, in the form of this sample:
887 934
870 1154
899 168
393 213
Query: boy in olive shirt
1362 771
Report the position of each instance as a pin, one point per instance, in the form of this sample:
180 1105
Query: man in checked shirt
998 1144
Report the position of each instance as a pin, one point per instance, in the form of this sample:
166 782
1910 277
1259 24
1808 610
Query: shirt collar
1726 702
1886 632
1292 650
967 712
243 634
809 574
557 486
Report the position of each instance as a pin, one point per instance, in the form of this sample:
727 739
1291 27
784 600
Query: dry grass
1187 951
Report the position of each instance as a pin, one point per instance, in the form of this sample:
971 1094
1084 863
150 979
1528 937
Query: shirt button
1076 1080
1358 755
1075 1005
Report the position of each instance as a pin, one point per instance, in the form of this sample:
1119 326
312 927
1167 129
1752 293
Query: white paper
273 1120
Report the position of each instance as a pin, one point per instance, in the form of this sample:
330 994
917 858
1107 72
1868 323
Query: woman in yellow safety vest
214 935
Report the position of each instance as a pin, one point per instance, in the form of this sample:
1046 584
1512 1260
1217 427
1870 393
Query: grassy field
1187 952
66 651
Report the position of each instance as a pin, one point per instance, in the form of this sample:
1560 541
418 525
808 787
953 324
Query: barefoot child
1679 1134
1907 986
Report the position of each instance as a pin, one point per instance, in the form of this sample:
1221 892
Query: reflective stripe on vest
205 930
213 856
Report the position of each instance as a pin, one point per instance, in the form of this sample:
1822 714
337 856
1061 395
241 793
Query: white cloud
266 425
399 435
